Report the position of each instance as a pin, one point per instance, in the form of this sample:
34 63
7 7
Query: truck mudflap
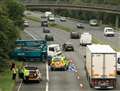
103 83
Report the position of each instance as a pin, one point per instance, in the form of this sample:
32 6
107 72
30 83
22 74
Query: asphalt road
68 80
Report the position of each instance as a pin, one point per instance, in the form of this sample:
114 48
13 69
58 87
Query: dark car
74 35
68 46
49 38
79 25
44 23
46 30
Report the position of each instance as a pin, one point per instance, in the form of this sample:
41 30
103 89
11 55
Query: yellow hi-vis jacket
26 72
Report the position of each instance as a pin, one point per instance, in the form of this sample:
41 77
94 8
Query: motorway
95 31
59 80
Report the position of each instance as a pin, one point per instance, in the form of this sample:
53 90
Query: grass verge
33 18
6 83
60 27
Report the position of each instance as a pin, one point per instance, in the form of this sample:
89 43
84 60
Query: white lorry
86 38
47 13
118 62
100 66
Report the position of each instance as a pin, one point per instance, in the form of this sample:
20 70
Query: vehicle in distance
79 25
26 23
93 22
74 35
49 37
108 31
63 19
59 62
46 30
100 66
51 17
118 62
68 46
86 39
44 23
31 73
47 13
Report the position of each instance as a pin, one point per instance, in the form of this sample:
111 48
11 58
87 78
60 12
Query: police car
59 63
31 74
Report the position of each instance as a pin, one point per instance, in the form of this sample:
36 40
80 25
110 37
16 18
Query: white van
118 62
86 38
108 31
53 50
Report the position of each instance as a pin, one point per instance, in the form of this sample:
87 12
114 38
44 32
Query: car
49 38
74 35
108 31
93 22
34 74
26 23
44 23
63 19
59 63
67 46
46 30
79 25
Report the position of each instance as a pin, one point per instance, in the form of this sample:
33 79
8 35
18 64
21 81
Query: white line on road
47 77
47 69
30 35
19 86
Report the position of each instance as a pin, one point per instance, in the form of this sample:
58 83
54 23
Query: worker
20 72
26 73
14 72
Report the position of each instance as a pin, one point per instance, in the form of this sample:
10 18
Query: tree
15 12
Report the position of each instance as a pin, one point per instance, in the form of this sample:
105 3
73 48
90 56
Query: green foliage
11 20
15 12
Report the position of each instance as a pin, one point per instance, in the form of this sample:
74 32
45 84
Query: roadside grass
60 27
33 18
6 82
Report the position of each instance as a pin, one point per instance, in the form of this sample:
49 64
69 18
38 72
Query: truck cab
53 50
118 62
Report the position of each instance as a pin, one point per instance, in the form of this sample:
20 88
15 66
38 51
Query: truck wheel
89 82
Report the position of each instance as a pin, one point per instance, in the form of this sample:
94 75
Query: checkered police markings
72 68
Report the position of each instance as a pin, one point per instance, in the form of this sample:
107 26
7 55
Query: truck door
97 65
110 65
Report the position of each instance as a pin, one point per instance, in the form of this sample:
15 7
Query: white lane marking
30 35
47 69
47 76
19 86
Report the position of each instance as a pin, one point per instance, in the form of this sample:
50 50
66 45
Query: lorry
86 38
30 50
30 43
100 66
118 62
47 13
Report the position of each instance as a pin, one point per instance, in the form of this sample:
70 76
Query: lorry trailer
100 66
